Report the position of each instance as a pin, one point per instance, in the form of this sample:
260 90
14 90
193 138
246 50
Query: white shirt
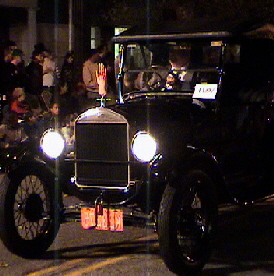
48 78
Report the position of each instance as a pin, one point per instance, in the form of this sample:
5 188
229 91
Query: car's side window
257 60
245 78
232 53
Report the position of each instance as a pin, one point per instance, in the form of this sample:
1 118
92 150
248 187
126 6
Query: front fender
171 168
30 162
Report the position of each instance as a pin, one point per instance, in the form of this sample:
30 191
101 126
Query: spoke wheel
29 213
31 208
187 218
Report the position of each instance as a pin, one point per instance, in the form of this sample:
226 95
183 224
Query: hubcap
34 208
191 227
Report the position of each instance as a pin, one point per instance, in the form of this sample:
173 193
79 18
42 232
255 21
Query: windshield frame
137 93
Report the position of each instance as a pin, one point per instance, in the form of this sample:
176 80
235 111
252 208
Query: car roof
197 29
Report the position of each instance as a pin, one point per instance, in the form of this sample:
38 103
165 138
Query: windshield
170 66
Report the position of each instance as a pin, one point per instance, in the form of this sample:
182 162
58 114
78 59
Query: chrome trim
139 94
221 34
102 115
130 185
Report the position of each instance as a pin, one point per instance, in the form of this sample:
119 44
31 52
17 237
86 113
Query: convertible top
197 29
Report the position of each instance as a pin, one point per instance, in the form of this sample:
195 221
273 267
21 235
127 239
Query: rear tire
29 210
187 218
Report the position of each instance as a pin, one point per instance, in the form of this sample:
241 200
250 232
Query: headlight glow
143 146
52 144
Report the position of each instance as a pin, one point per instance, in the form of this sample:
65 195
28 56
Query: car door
244 111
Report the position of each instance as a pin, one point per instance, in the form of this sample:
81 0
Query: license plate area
104 218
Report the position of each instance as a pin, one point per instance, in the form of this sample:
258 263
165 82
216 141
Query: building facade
19 23
64 25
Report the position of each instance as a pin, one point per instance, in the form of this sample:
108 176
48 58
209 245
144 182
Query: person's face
21 97
55 109
32 118
45 54
18 59
96 57
7 54
12 47
39 58
70 59
101 54
179 58
170 79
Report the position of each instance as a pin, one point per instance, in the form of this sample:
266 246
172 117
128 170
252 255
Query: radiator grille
101 151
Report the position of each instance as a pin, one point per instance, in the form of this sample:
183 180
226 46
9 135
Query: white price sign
205 91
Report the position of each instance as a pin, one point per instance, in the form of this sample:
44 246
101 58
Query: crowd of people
43 96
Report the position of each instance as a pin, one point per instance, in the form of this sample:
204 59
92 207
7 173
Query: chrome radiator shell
102 150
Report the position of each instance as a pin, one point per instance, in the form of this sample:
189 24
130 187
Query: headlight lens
52 144
143 146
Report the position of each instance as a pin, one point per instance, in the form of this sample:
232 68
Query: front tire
187 217
29 210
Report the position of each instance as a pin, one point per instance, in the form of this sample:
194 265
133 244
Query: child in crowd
50 118
68 131
18 103
31 125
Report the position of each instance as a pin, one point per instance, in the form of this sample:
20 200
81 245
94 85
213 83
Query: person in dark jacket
34 89
13 75
68 72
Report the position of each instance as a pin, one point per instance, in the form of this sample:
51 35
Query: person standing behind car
13 75
6 50
34 90
67 73
50 75
89 75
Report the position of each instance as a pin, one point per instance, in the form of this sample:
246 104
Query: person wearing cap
14 76
7 49
17 53
18 61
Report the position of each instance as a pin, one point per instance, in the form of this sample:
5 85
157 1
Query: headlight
52 144
143 146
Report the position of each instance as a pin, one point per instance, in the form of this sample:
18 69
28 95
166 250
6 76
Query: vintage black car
192 128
